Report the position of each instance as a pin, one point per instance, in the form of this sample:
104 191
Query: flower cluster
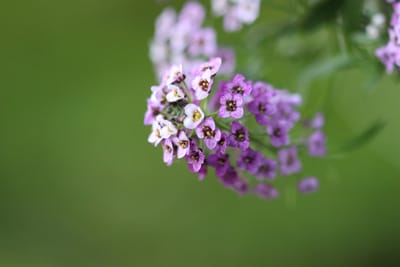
390 53
240 128
236 12
182 38
376 26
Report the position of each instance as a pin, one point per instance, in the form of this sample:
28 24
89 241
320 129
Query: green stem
187 91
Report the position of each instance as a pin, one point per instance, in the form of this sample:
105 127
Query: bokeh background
80 185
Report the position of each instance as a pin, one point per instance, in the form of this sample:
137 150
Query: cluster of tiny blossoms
182 38
231 128
390 53
236 12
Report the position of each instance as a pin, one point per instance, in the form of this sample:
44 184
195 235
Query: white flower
167 128
158 51
157 95
155 136
194 116
378 19
247 11
161 129
165 23
201 84
219 7
175 93
174 74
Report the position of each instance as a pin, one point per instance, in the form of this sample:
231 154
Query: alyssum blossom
236 12
209 125
183 38
390 53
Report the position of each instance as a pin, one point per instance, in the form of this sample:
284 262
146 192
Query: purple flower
247 10
231 106
317 144
278 133
183 144
153 109
239 86
249 161
286 113
389 55
230 178
174 75
157 95
213 66
241 186
266 168
195 158
202 173
222 143
261 89
220 162
168 152
262 108
239 136
308 185
317 122
164 23
202 84
289 161
203 42
228 59
192 13
209 133
236 13
266 191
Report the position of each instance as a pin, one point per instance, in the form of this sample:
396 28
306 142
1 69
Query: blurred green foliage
80 186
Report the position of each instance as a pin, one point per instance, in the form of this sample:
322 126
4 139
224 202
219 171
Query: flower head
220 162
175 94
266 191
316 144
202 84
230 177
231 106
203 42
249 161
238 86
239 136
266 168
195 158
168 152
289 161
278 133
209 133
308 185
262 108
182 142
236 13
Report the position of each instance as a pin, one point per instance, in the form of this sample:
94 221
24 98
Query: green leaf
323 12
353 15
364 138
321 69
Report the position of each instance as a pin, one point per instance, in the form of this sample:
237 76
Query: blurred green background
80 185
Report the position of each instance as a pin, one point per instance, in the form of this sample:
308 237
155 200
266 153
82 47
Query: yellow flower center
196 116
176 94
